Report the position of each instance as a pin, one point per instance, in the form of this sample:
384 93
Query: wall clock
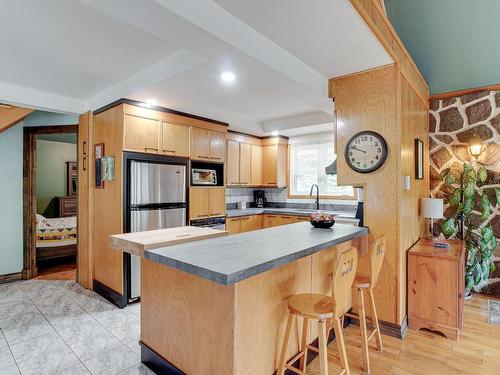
366 152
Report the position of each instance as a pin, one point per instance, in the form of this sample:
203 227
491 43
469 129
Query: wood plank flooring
423 352
58 270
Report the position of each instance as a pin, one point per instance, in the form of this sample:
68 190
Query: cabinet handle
151 148
245 218
243 182
235 183
200 215
203 157
84 148
271 183
84 160
271 216
216 158
172 151
216 214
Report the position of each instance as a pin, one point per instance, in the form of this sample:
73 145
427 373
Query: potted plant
463 195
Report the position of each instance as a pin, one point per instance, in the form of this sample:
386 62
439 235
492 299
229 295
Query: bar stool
360 284
322 308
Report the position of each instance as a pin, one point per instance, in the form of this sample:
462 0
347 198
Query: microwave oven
201 176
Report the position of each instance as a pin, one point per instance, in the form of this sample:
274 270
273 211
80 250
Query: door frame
29 191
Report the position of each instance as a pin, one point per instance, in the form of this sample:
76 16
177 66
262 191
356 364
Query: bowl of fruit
321 220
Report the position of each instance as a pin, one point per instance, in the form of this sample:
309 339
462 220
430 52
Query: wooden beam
10 116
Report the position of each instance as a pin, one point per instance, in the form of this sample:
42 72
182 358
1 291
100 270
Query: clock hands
357 149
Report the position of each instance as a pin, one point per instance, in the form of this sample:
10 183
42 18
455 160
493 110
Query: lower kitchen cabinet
243 224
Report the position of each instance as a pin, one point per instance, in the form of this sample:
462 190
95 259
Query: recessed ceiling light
228 77
275 132
151 102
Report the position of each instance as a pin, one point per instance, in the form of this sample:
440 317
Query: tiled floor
58 327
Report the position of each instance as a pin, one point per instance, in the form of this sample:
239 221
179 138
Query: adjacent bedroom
55 189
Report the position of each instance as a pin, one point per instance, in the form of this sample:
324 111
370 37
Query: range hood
332 168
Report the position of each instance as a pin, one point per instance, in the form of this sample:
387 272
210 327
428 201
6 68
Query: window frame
313 197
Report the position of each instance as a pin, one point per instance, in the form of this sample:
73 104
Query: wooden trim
338 197
11 277
156 108
451 94
156 362
29 191
119 300
331 95
256 136
390 329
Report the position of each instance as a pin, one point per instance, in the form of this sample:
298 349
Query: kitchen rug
494 312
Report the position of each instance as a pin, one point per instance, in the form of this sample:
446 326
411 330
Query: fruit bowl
321 220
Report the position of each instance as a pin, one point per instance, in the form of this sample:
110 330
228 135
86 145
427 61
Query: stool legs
304 343
339 338
364 336
375 321
286 338
323 348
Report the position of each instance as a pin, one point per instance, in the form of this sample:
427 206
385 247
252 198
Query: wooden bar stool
322 308
362 283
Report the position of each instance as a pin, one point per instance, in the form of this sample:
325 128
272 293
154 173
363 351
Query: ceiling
454 43
73 56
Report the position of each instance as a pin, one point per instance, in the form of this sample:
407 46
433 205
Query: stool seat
313 306
361 281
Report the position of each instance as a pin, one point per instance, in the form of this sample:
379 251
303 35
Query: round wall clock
366 152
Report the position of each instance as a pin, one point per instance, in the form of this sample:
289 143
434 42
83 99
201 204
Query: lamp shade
432 208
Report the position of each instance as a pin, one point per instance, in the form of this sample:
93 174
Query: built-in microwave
200 176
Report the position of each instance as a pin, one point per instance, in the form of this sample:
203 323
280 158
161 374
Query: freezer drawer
141 220
157 183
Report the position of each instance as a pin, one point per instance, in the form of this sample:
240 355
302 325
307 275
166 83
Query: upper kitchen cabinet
208 145
175 139
274 158
255 165
141 134
206 202
238 163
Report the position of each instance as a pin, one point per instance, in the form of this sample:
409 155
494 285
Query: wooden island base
204 327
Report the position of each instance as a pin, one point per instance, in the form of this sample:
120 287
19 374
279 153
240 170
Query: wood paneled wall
107 128
383 101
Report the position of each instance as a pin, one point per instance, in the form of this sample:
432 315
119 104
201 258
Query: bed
55 238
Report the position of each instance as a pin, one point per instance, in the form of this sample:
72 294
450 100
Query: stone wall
452 123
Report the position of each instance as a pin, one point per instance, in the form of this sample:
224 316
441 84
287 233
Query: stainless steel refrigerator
157 200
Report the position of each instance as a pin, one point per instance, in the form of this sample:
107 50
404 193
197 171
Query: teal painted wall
453 42
11 187
51 158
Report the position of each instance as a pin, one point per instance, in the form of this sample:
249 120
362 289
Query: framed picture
419 159
98 155
108 168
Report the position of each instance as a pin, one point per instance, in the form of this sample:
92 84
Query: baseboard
157 363
118 299
10 277
389 329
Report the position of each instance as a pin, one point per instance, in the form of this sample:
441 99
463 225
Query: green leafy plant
464 196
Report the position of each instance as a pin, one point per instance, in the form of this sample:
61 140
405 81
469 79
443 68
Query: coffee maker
259 198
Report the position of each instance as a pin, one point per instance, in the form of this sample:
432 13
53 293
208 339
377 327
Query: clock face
366 152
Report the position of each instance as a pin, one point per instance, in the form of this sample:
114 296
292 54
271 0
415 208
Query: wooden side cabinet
207 202
436 287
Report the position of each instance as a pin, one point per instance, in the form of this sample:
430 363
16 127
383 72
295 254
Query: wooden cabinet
175 139
200 145
298 219
243 224
141 134
217 146
274 165
238 167
206 202
269 221
284 219
208 145
436 287
255 165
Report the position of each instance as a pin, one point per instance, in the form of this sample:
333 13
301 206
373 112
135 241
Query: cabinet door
281 165
175 139
269 221
217 146
256 165
246 223
217 201
301 218
199 203
200 145
269 156
233 163
141 134
233 225
245 156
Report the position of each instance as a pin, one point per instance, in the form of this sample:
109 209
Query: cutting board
136 243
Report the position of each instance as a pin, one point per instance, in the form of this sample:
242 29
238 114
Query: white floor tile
49 363
112 362
37 346
6 358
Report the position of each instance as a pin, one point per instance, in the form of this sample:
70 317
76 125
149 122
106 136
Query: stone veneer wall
452 123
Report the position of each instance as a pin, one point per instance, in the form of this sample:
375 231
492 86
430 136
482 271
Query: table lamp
432 208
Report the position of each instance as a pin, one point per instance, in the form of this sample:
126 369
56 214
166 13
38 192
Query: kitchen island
218 306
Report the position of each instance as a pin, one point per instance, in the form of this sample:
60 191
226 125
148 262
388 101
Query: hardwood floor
423 352
62 269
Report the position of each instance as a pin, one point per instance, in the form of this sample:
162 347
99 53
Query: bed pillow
41 221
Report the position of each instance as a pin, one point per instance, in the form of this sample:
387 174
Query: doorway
50 179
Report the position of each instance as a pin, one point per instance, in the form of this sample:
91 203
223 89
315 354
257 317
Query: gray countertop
230 259
287 211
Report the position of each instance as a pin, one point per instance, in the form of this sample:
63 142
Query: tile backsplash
275 195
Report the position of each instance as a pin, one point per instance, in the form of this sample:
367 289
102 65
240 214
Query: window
309 156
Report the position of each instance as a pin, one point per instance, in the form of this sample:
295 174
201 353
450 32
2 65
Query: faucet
317 195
